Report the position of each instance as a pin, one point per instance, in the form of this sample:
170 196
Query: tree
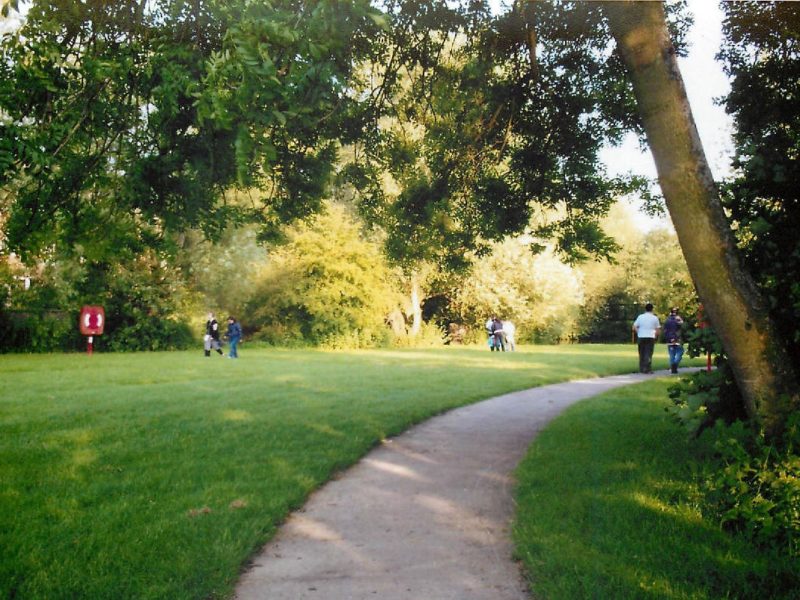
539 293
554 63
326 285
759 360
127 119
649 267
486 129
763 61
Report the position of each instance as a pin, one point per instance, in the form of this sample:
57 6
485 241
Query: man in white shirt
646 327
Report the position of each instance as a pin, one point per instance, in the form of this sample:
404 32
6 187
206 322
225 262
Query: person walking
646 326
211 338
234 334
672 336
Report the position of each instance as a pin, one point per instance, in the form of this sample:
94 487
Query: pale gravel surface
424 516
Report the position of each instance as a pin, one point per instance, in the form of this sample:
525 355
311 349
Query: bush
754 487
327 286
144 296
430 335
40 332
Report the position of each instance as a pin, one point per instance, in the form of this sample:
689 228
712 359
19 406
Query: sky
704 80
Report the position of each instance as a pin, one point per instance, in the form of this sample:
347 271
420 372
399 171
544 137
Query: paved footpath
424 516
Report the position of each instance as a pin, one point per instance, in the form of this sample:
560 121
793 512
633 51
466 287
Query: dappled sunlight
76 447
469 525
657 505
417 456
502 479
236 415
314 530
394 469
79 437
651 535
304 527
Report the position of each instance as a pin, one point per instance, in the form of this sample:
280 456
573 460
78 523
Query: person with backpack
672 337
234 334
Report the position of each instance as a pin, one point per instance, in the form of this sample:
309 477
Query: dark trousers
646 347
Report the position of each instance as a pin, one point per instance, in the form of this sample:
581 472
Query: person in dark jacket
497 334
211 338
234 334
672 337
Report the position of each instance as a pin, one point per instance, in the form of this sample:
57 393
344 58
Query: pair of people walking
211 340
501 334
647 327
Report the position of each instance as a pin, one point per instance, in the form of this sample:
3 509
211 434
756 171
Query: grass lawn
156 475
608 508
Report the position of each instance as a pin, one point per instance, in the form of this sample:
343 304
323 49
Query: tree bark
732 301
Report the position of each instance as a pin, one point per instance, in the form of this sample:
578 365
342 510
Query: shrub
754 487
146 301
327 286
45 331
429 335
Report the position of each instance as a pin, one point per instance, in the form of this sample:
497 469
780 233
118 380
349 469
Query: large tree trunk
732 301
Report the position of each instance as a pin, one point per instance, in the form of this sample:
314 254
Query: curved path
424 516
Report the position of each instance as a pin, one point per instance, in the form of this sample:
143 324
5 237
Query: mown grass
608 507
156 475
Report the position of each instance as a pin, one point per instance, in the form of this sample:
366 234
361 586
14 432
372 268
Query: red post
708 362
89 345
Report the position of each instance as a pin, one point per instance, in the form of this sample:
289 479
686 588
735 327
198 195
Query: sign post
702 324
93 318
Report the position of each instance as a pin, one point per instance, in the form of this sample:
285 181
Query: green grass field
157 475
608 507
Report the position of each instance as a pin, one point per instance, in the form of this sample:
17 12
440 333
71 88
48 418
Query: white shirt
646 325
509 329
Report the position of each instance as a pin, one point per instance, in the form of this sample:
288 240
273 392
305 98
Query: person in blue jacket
672 336
234 334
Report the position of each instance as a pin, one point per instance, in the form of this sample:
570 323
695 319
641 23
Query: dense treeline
331 284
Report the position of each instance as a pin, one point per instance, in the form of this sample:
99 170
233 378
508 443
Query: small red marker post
702 325
93 318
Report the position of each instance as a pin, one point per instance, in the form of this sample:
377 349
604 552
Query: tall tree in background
550 92
758 357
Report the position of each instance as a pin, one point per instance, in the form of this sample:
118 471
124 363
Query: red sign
93 318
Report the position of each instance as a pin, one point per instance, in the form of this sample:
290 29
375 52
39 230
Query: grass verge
608 508
157 475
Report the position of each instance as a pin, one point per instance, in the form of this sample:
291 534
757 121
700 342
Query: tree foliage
762 57
122 120
539 293
487 120
327 285
649 267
